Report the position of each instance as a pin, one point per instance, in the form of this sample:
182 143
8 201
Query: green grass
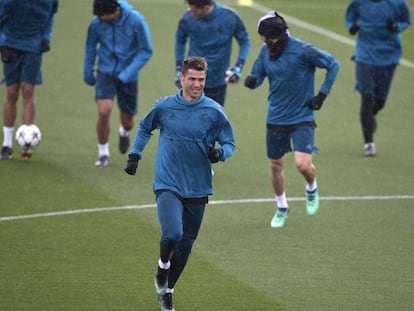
355 254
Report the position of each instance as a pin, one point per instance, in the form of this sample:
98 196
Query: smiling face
193 82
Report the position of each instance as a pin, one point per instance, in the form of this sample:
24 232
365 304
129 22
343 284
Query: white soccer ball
28 136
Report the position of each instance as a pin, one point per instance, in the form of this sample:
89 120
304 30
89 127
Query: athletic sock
8 136
103 150
122 131
281 201
164 265
312 187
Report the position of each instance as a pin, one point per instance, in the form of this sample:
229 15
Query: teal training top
291 80
187 129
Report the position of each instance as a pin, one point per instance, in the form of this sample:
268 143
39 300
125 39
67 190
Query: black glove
250 82
117 82
132 164
315 103
7 55
45 47
392 26
354 29
214 154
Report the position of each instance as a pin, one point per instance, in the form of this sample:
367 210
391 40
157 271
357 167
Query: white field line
217 202
294 21
291 20
319 30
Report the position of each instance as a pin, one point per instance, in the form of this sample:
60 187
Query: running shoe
369 150
161 281
166 302
278 220
312 202
26 152
6 153
123 144
103 161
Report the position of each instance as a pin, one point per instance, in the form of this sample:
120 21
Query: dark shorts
279 138
374 80
127 93
22 67
217 93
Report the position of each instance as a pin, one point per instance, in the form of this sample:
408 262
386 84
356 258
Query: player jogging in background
25 34
379 24
190 124
290 64
210 28
119 38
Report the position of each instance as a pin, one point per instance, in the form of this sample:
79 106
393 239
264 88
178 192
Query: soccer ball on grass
28 137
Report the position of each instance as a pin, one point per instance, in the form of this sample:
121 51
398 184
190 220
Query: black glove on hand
117 82
250 82
315 103
214 154
354 29
392 26
45 46
132 164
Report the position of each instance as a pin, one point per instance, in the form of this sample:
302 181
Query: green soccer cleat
161 282
312 202
166 302
278 220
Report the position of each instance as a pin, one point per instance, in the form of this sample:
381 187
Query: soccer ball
28 136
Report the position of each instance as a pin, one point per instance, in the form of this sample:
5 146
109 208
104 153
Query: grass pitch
74 237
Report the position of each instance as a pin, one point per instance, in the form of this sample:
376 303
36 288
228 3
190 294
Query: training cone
245 2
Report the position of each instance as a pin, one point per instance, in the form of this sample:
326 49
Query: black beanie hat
272 25
104 7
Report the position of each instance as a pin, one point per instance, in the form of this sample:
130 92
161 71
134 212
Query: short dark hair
104 7
195 63
200 3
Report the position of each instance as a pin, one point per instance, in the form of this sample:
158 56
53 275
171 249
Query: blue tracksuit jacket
123 46
376 45
24 24
291 80
187 129
211 37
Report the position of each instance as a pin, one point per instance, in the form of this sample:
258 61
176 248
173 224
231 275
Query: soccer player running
379 24
190 124
210 28
289 64
25 34
120 38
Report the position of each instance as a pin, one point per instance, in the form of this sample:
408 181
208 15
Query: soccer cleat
103 161
278 220
6 153
312 202
123 144
26 152
161 281
166 302
369 150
